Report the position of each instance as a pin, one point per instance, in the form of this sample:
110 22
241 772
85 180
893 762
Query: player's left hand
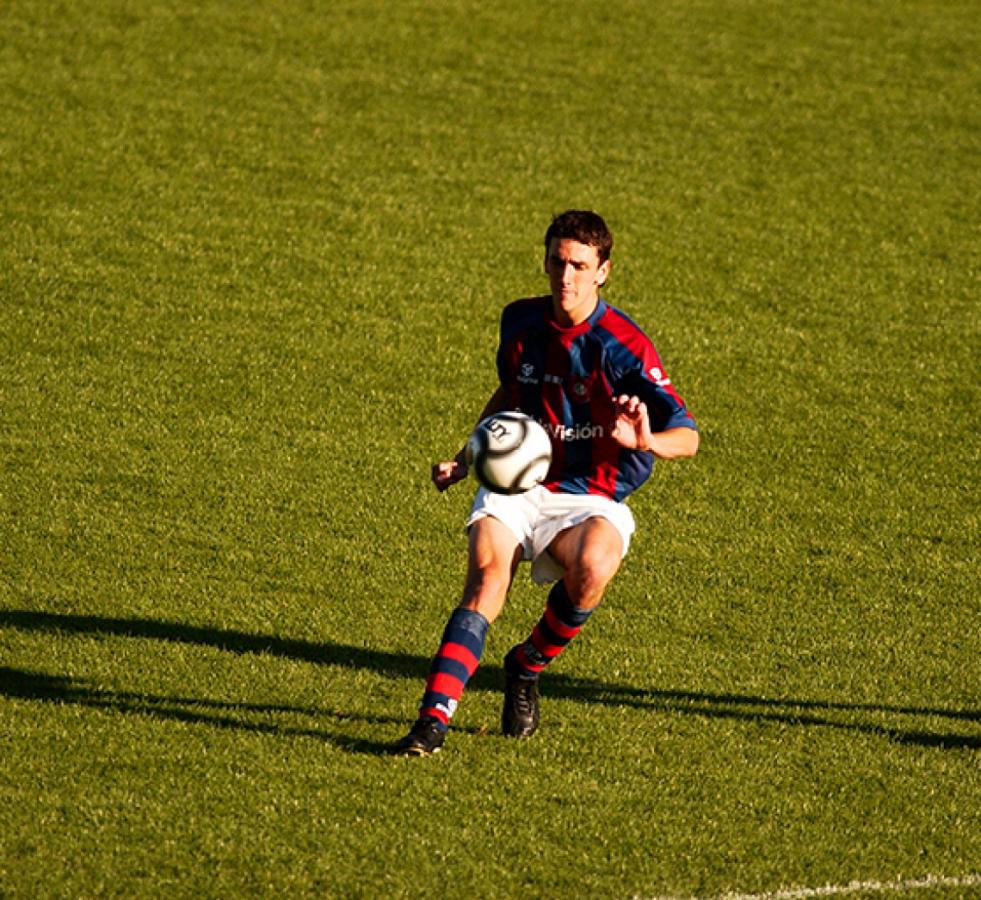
631 425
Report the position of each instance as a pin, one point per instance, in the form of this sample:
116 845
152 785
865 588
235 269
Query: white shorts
537 516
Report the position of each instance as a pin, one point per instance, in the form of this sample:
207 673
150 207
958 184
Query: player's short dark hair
583 226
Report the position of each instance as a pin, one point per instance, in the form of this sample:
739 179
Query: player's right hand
449 472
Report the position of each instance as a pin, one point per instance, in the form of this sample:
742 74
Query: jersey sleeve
644 377
519 321
506 353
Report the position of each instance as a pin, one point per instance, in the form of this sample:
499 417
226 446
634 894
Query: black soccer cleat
519 718
424 739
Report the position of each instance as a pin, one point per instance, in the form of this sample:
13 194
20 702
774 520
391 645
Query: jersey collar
584 326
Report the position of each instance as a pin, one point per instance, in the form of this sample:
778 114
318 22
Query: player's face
575 275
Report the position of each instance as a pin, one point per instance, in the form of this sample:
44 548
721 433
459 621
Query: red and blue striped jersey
567 379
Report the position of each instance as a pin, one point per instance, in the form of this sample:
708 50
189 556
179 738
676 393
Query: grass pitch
252 261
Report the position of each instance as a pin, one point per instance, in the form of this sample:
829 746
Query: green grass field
252 258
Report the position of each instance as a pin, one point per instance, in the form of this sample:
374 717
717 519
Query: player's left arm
632 429
649 413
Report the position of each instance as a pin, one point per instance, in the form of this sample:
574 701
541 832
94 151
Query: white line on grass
853 887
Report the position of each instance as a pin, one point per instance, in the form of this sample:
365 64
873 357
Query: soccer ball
509 453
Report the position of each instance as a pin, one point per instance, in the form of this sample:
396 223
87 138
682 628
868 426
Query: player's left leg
590 553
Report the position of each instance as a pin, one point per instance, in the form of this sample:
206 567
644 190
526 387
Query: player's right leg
494 554
492 560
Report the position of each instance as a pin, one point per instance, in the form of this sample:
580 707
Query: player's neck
566 317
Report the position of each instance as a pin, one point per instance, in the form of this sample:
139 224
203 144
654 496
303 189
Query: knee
590 575
485 592
489 583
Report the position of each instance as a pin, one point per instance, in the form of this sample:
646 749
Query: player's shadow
263 718
809 713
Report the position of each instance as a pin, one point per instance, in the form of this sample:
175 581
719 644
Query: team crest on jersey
580 389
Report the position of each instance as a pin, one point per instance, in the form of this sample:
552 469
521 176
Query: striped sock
561 622
455 661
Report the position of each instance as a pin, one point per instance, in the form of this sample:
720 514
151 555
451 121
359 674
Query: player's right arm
450 471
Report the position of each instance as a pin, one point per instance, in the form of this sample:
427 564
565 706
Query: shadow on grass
20 684
810 713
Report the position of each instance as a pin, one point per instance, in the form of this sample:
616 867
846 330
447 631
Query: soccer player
594 380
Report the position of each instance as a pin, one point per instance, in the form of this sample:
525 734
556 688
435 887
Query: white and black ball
509 453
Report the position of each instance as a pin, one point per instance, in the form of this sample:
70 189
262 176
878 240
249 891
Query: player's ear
603 272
